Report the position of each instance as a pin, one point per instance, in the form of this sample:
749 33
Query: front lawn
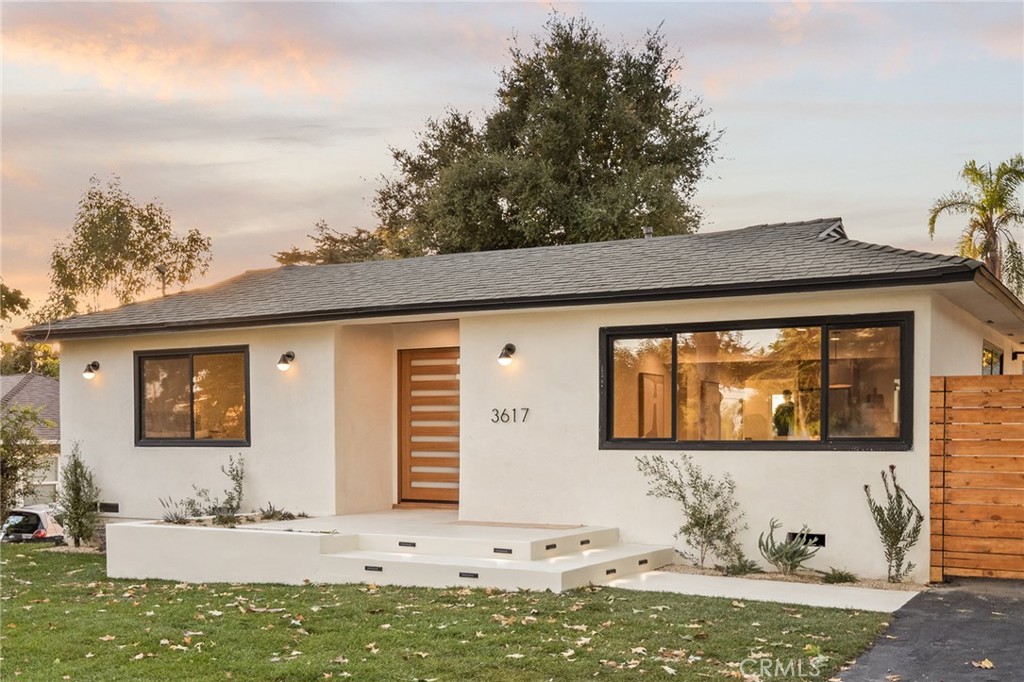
64 620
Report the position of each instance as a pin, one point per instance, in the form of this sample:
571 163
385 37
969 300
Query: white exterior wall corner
367 406
550 469
957 339
290 462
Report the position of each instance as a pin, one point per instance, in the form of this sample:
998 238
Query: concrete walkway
833 596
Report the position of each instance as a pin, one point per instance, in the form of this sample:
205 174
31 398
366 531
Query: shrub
788 556
205 505
78 498
174 512
22 454
899 525
272 513
741 565
835 576
713 517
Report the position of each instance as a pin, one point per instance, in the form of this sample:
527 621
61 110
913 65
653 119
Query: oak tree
587 142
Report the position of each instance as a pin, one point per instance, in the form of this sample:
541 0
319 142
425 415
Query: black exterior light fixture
285 361
505 358
90 370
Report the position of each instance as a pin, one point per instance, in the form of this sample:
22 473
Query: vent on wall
813 539
110 508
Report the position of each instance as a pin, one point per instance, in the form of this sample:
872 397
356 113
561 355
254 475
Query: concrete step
499 543
567 571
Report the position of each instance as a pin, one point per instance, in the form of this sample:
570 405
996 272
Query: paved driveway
939 633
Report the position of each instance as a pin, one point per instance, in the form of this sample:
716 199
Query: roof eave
984 278
952 273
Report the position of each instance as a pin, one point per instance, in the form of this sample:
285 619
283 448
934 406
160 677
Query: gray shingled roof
38 391
761 259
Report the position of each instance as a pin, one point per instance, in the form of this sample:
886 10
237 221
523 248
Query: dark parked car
32 524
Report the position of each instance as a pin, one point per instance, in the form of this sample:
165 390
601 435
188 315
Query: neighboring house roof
811 255
34 390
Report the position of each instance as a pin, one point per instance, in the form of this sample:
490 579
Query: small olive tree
78 498
22 454
713 516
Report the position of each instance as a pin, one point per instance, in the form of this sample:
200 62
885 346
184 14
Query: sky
252 121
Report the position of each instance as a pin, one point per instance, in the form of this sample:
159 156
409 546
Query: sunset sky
251 121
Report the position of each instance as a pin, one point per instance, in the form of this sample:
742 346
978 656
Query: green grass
63 619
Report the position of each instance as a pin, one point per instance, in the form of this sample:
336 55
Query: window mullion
192 395
674 379
826 336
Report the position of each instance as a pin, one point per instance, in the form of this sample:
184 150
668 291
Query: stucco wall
957 339
550 468
367 407
290 462
324 433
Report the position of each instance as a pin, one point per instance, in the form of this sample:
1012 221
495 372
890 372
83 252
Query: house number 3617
507 416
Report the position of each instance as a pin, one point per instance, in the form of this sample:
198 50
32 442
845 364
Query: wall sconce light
91 369
285 361
505 358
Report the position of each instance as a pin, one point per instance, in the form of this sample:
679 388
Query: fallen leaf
107 638
670 671
738 604
515 656
638 650
984 663
340 660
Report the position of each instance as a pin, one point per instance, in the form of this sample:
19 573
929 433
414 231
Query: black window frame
192 441
996 352
902 442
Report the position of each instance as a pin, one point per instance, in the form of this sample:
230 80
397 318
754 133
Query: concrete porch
424 547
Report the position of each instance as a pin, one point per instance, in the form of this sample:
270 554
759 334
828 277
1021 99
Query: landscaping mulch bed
802 577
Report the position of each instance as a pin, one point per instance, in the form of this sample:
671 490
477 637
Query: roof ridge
18 387
594 245
941 257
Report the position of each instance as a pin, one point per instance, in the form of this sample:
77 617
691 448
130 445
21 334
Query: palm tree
992 204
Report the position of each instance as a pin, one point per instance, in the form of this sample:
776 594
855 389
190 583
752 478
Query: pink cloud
170 49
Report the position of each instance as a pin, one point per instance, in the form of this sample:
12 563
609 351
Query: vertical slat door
428 425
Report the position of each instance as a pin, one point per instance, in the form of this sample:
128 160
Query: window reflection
642 379
220 396
166 412
864 382
199 396
759 384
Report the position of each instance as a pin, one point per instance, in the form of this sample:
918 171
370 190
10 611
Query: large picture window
192 397
841 383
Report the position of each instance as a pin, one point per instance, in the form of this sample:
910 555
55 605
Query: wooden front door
428 425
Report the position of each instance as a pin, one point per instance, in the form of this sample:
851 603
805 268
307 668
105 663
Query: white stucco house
788 355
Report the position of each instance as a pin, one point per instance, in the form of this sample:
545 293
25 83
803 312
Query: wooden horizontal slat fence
977 477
